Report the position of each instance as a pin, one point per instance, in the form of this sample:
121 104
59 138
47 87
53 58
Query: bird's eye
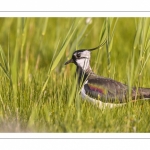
78 55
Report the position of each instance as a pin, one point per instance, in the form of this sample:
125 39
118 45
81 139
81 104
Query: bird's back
109 90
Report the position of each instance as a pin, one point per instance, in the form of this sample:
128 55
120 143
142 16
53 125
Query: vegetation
38 93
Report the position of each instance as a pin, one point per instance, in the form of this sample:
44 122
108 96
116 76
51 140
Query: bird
99 90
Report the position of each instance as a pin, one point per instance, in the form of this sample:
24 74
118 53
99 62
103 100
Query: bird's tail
141 93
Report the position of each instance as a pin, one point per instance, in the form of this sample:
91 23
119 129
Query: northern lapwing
101 90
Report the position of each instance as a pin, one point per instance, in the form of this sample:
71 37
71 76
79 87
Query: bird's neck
83 75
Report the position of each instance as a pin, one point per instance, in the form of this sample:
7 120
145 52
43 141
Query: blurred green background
43 34
36 93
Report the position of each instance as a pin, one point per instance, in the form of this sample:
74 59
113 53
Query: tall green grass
38 93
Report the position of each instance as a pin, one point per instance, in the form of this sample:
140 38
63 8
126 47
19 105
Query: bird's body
101 90
109 90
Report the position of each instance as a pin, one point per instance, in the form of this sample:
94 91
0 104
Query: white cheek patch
83 63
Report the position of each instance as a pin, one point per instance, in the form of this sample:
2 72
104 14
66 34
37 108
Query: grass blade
5 67
63 48
61 53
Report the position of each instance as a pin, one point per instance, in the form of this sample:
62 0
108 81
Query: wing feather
105 89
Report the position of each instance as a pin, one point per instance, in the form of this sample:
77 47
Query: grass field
37 92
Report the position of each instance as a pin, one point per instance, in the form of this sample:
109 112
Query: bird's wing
105 89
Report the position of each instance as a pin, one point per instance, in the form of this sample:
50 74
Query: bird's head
81 58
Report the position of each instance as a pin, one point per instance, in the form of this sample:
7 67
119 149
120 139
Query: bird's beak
69 61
